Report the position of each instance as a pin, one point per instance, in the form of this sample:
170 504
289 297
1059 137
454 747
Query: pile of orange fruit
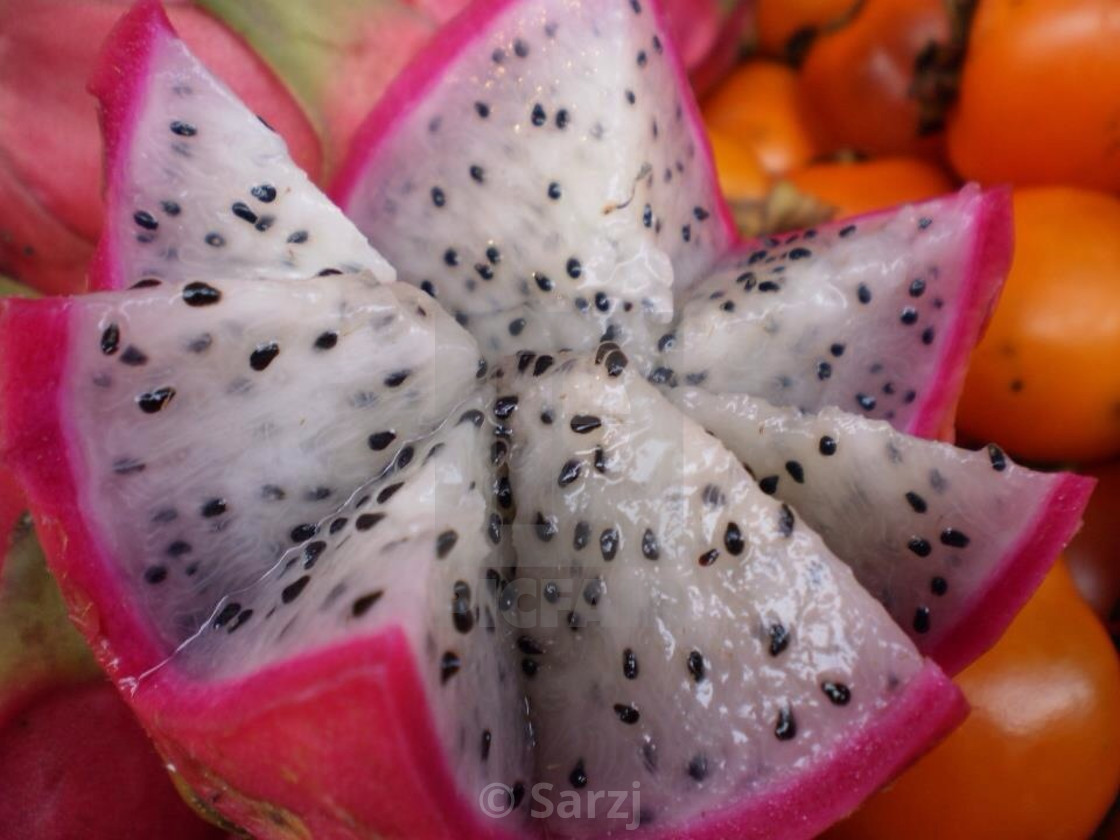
845 106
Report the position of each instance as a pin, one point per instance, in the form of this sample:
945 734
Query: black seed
779 638
785 521
562 118
709 557
824 370
155 574
921 620
583 423
152 402
769 286
578 776
338 524
387 493
397 378
214 507
368 520
516 326
505 406
200 294
570 472
133 357
477 173
303 532
263 355
608 543
732 540
264 223
916 502
769 485
686 233
264 192
215 240
494 528
920 546
796 472
438 197
362 604
800 253
545 527
380 440
299 237
593 591
554 191
650 548
863 293
485 744
445 542
242 617
848 230
630 97
503 493
838 693
538 115
179 548
616 362
954 539
529 667
312 551
481 370
698 768
938 585
836 350
146 283
867 403
642 58
647 216
696 665
627 714
602 302
786 727
145 220
924 222
909 315
242 211
636 6
827 446
581 535
551 592
581 304
472 415
520 48
110 339
997 457
293 590
928 334
449 665
482 109
917 287
629 664
574 268
326 340
183 129
226 614
543 363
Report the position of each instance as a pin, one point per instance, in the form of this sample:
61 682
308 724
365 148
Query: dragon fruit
951 542
362 573
216 192
529 251
875 315
50 185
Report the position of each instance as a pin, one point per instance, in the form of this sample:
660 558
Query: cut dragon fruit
690 633
358 581
261 619
542 168
876 315
197 184
952 542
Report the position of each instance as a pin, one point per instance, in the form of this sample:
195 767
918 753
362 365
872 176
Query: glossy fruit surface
1038 758
1045 380
1040 94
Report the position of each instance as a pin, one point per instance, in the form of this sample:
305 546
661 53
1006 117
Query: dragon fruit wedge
951 542
542 171
477 554
197 183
